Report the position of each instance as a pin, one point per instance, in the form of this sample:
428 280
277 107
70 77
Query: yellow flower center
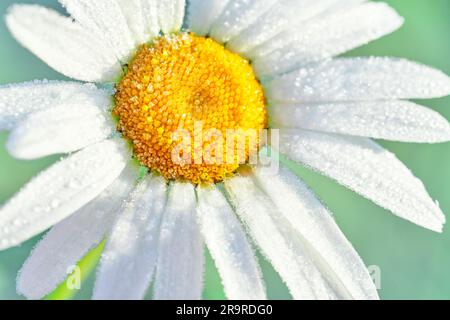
192 109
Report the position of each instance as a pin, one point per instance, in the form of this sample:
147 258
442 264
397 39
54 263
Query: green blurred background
415 263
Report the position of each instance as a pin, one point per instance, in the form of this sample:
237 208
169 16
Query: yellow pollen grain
176 83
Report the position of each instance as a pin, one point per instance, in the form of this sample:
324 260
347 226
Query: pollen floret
191 85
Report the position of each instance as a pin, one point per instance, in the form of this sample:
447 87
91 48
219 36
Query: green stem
86 266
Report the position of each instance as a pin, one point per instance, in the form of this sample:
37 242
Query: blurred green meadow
414 263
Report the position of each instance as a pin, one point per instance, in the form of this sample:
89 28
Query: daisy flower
154 67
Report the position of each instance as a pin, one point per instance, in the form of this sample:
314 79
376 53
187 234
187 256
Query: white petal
60 130
229 247
67 242
202 14
105 20
62 44
320 232
60 191
130 255
151 19
179 273
304 13
390 120
359 79
326 37
236 16
19 100
282 16
278 240
368 169
171 15
134 14
265 27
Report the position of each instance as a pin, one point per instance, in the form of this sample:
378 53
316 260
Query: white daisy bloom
230 64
